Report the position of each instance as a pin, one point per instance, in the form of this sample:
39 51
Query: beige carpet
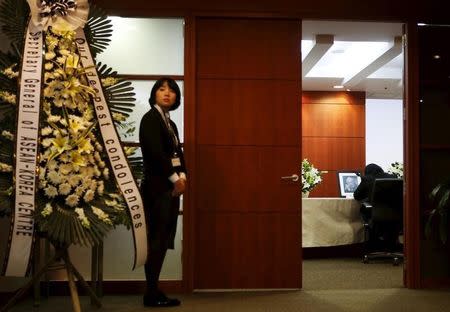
335 285
350 273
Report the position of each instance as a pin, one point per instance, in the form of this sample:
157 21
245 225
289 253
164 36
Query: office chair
385 224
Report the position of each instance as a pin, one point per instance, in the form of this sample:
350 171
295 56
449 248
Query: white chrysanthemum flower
51 191
65 157
48 66
84 220
52 165
100 188
72 200
91 159
97 156
79 191
74 180
42 184
50 55
98 147
47 210
53 118
93 185
65 168
88 196
106 174
7 135
46 131
42 172
47 142
64 188
54 177
101 215
97 172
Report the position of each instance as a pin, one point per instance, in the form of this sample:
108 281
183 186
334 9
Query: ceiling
359 56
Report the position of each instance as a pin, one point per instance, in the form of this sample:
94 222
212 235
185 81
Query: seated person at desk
372 172
364 189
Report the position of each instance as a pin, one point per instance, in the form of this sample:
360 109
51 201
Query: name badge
176 162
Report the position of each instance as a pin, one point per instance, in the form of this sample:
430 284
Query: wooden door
248 135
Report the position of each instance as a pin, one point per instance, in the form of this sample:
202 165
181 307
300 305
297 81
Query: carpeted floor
338 285
350 273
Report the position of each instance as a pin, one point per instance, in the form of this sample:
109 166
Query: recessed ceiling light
338 87
421 24
436 56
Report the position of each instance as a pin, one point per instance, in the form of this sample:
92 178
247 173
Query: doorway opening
352 116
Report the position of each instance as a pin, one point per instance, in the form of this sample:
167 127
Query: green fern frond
63 226
120 97
13 17
98 29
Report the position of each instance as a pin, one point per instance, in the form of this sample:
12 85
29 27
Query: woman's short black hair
373 169
172 85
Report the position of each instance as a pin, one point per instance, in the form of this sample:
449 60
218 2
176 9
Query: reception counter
331 222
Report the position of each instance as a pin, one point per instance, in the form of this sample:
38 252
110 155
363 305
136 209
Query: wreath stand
61 253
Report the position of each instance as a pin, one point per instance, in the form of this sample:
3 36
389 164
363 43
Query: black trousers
161 214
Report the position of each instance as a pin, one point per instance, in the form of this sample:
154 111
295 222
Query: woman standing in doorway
164 181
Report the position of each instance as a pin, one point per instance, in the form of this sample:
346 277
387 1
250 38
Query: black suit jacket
157 151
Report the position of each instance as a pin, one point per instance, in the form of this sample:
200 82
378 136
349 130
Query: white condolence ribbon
27 136
117 158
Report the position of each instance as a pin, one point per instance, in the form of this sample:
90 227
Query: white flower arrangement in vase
311 177
396 169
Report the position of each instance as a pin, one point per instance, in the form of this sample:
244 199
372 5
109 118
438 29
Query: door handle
293 178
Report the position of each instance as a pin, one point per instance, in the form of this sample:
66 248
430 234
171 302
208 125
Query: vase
305 194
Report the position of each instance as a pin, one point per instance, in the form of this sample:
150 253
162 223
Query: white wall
384 132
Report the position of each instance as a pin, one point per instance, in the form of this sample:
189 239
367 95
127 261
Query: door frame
412 278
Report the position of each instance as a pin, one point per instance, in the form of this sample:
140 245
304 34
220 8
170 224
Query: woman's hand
179 187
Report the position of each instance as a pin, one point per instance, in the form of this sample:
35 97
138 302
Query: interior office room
252 250
352 115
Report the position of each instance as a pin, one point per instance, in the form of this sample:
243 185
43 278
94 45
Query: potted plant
311 177
440 198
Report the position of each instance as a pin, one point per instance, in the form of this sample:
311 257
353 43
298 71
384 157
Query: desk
331 222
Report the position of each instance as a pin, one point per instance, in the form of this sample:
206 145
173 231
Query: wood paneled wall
333 135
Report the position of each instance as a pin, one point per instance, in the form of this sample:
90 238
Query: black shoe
161 300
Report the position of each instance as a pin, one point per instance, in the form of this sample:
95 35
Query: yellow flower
77 159
76 125
85 146
61 144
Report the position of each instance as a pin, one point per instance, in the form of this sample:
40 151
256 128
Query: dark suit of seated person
379 235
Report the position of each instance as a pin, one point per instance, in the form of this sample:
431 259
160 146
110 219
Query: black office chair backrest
387 199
